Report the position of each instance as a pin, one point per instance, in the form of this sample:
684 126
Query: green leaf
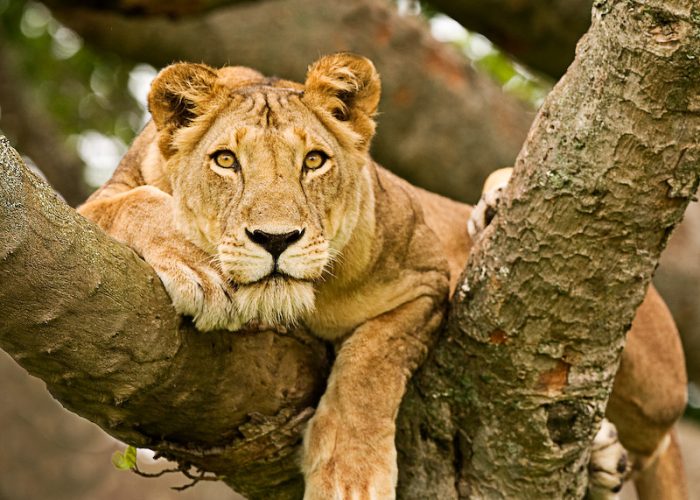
126 460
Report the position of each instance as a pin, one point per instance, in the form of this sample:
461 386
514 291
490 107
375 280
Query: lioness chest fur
257 203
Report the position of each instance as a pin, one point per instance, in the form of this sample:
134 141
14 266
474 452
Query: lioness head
265 172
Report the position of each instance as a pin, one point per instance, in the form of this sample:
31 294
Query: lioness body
299 224
408 215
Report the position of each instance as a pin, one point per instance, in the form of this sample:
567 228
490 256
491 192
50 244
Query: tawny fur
372 272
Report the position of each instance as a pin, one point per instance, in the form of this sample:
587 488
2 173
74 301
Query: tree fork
530 343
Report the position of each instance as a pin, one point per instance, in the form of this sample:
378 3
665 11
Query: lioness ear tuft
347 86
179 94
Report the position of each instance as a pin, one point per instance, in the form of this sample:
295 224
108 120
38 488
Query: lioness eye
225 159
315 159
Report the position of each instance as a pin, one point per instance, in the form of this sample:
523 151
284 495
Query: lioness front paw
345 463
609 464
196 288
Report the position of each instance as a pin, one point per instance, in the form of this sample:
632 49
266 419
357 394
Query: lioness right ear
178 95
346 86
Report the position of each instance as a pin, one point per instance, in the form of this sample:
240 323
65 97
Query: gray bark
530 347
523 373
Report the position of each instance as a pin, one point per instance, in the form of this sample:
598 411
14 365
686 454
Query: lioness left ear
178 95
346 86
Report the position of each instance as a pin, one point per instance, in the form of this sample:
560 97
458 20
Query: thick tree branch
542 35
524 371
453 124
90 318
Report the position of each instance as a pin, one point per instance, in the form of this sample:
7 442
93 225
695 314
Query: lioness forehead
267 106
260 113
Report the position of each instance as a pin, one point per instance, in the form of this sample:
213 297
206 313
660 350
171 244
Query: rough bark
524 370
86 315
512 390
443 125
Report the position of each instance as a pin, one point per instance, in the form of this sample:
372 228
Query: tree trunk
505 405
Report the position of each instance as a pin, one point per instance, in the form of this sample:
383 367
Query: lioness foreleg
349 450
143 219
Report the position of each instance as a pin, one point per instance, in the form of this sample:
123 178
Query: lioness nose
275 243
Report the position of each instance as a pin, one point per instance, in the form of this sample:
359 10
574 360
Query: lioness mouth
275 276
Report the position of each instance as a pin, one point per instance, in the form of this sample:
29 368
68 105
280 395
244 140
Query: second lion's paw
609 465
487 208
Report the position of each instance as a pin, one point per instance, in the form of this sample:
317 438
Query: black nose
275 243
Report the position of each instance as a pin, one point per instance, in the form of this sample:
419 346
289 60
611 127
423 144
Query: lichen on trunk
521 377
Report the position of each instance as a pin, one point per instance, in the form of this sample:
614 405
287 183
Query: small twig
139 472
185 470
202 476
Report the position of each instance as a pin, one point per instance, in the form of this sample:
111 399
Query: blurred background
462 80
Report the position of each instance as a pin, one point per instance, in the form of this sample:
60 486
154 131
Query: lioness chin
257 202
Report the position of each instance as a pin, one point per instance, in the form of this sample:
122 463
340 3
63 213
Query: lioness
257 202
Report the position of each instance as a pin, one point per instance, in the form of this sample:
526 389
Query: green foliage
79 87
84 91
126 460
486 57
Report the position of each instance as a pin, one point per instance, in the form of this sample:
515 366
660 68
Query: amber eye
315 159
225 159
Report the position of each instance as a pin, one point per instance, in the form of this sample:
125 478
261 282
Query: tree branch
542 35
90 318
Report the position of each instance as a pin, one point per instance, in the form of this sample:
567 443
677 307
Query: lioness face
267 190
267 181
